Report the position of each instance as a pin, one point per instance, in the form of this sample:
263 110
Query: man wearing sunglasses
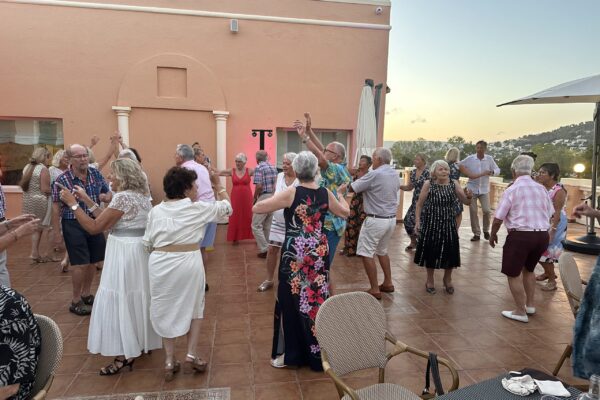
333 174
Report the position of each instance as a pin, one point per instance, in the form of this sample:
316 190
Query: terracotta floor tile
92 385
231 354
232 322
71 364
241 394
73 346
232 336
140 381
265 373
472 359
323 389
230 375
277 391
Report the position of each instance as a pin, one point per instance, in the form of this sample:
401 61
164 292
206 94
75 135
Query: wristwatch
74 207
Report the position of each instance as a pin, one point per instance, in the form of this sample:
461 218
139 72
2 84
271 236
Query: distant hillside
575 136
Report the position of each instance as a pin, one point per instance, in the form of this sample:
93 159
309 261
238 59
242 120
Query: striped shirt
265 174
525 206
94 185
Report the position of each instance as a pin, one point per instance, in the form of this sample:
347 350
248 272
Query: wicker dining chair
50 356
351 330
573 284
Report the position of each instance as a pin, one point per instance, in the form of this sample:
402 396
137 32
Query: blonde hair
435 165
38 156
129 176
452 155
56 159
422 157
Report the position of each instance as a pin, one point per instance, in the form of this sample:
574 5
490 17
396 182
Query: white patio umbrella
584 90
366 127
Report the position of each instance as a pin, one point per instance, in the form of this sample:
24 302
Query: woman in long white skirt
175 227
120 323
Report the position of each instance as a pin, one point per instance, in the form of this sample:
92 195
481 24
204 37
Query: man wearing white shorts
380 201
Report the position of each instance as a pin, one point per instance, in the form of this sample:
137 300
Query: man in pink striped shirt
525 209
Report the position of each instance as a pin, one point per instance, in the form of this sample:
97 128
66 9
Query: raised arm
312 146
311 133
113 150
277 202
420 202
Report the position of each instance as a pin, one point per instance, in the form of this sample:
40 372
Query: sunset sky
452 61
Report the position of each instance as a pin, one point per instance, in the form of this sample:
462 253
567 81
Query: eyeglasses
80 156
332 152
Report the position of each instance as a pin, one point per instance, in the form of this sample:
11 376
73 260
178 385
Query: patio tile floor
237 331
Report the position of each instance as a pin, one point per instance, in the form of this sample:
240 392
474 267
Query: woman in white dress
285 179
120 323
175 227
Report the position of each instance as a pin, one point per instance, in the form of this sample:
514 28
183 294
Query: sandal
266 285
541 277
117 365
448 289
550 286
80 308
171 369
386 289
194 363
88 300
430 290
43 260
64 266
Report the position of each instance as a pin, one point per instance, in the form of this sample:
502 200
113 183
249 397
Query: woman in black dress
437 246
304 263
417 178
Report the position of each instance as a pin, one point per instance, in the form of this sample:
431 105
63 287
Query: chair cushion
383 391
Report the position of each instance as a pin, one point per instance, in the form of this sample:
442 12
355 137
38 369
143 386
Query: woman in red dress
240 222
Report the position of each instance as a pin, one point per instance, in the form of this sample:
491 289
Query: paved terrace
237 332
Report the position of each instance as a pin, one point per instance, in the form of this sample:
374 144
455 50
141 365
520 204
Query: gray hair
56 159
261 156
128 154
385 155
241 157
452 155
436 164
306 166
340 149
522 165
290 156
185 151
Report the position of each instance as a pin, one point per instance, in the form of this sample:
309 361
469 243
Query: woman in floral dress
304 263
357 214
418 176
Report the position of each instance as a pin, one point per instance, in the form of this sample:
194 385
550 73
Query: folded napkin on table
554 388
519 385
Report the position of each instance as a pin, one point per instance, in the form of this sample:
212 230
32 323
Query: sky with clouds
452 61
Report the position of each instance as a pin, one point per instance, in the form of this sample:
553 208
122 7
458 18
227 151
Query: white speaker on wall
234 25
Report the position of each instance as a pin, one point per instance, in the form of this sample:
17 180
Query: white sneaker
278 362
510 315
530 310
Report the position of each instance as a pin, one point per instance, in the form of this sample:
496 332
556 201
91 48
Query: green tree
559 154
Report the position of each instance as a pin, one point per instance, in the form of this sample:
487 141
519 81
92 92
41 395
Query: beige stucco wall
75 64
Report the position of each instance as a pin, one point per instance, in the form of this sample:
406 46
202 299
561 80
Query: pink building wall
77 63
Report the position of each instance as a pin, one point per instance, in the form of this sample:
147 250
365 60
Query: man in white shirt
480 163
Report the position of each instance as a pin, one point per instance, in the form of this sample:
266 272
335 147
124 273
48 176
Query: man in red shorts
525 209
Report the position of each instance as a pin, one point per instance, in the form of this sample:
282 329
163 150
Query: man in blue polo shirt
84 250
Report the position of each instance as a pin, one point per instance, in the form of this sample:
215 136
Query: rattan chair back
51 353
351 329
571 279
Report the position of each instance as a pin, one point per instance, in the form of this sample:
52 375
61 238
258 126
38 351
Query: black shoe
475 238
88 300
80 309
486 235
206 287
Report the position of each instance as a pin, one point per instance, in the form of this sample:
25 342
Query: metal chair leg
566 354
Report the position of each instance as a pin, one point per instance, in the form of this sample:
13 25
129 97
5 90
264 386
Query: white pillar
123 122
221 118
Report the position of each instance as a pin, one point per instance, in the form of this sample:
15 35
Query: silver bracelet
93 208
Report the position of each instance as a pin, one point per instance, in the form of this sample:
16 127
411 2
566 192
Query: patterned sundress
555 248
409 218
